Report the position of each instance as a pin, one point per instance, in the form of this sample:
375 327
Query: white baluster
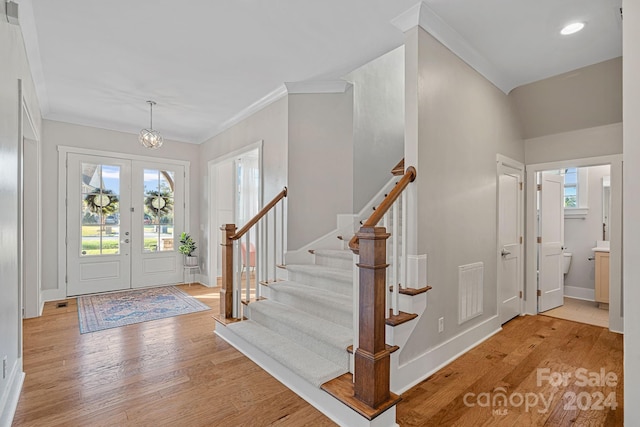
258 263
403 280
395 260
247 263
385 223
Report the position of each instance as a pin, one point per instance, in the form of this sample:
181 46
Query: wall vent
470 291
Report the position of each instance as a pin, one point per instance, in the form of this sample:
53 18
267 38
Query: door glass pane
100 216
158 210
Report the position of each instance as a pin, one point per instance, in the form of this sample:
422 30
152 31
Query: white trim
417 370
318 398
580 293
320 86
32 48
263 102
615 305
425 17
9 400
63 149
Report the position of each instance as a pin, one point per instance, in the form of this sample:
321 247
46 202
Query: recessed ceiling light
572 28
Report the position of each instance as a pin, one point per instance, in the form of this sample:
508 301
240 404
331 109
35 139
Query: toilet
566 262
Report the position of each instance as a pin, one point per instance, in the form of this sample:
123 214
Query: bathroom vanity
602 274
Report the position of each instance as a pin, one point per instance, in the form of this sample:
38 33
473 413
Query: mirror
606 206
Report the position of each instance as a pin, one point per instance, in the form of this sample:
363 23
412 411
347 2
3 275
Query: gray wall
268 125
378 123
592 142
320 177
583 98
463 122
121 144
13 66
580 234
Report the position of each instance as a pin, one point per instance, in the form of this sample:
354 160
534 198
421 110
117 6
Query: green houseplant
186 248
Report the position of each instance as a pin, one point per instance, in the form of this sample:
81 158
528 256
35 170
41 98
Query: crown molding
319 86
261 103
426 18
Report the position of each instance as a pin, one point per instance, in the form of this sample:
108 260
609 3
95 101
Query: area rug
112 310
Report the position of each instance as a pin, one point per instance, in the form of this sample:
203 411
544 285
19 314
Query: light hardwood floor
176 372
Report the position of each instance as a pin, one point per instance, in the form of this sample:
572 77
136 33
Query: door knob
505 252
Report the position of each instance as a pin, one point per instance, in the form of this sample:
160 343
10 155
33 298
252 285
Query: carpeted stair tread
327 339
332 279
303 362
328 305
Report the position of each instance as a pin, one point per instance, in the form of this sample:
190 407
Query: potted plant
187 247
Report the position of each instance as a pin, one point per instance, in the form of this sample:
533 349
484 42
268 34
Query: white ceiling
204 62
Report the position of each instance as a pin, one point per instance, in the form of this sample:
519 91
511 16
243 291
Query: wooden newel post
372 360
226 288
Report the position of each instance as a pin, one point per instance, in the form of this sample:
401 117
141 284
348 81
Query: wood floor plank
177 372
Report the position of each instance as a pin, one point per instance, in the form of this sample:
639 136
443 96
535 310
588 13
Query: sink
601 246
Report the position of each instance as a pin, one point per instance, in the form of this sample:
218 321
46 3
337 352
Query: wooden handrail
408 177
253 221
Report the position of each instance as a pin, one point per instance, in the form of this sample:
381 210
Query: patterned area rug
105 311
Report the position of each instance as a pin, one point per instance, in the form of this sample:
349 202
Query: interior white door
509 240
158 217
98 232
550 258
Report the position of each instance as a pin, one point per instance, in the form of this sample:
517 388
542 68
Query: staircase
305 323
301 329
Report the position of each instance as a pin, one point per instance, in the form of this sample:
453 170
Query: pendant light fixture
150 138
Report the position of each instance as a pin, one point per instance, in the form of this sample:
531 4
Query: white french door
124 219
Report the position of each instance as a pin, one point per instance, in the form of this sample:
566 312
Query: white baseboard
580 293
413 372
9 402
321 400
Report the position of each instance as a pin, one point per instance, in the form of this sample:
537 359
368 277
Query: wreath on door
101 201
158 203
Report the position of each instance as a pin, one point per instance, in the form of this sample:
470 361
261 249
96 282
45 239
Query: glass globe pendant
150 138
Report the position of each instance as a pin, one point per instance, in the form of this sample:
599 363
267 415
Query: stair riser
341 263
334 285
330 351
340 315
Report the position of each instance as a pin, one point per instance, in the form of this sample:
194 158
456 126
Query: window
576 192
571 188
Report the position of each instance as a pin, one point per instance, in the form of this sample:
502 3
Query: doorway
567 221
235 194
123 219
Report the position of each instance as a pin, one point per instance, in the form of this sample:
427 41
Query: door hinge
521 239
66 241
133 209
521 186
66 279
66 202
539 239
539 187
539 293
520 294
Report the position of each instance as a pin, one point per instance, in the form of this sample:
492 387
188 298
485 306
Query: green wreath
101 201
159 203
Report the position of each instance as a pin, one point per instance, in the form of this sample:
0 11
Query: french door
124 219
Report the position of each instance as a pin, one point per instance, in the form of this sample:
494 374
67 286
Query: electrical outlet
441 324
4 367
